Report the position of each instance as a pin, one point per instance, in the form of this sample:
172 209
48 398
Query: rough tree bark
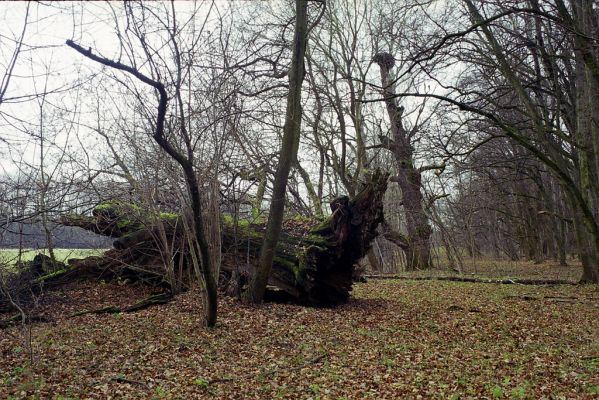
587 129
408 177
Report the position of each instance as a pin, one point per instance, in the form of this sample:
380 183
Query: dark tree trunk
408 177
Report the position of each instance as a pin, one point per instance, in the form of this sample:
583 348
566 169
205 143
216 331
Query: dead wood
476 280
314 262
155 299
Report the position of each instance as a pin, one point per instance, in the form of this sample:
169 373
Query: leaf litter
394 339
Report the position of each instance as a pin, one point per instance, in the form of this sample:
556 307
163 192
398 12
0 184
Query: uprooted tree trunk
313 264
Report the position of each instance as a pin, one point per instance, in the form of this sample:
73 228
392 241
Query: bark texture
408 176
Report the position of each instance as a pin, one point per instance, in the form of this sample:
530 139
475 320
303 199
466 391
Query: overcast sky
46 64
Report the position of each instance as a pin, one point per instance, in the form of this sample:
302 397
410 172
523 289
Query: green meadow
11 256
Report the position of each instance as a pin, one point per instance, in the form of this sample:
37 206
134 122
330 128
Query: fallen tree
20 287
314 262
515 281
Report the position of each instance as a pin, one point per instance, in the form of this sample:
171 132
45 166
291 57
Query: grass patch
11 256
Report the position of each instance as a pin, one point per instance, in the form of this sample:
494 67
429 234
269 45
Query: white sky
45 61
45 56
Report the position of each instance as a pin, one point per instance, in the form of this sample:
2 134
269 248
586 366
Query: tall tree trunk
289 147
587 136
408 177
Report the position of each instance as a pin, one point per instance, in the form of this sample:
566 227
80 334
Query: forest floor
395 339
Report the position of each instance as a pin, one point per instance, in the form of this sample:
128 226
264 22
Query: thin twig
122 379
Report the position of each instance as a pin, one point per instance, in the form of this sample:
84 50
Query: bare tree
182 151
526 89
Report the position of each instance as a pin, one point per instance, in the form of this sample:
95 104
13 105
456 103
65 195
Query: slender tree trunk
44 185
409 177
315 203
561 243
560 226
186 163
208 267
291 132
561 237
257 203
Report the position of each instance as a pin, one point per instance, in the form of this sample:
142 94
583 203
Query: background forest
255 144
494 153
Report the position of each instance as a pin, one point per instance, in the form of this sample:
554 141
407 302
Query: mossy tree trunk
313 262
291 132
